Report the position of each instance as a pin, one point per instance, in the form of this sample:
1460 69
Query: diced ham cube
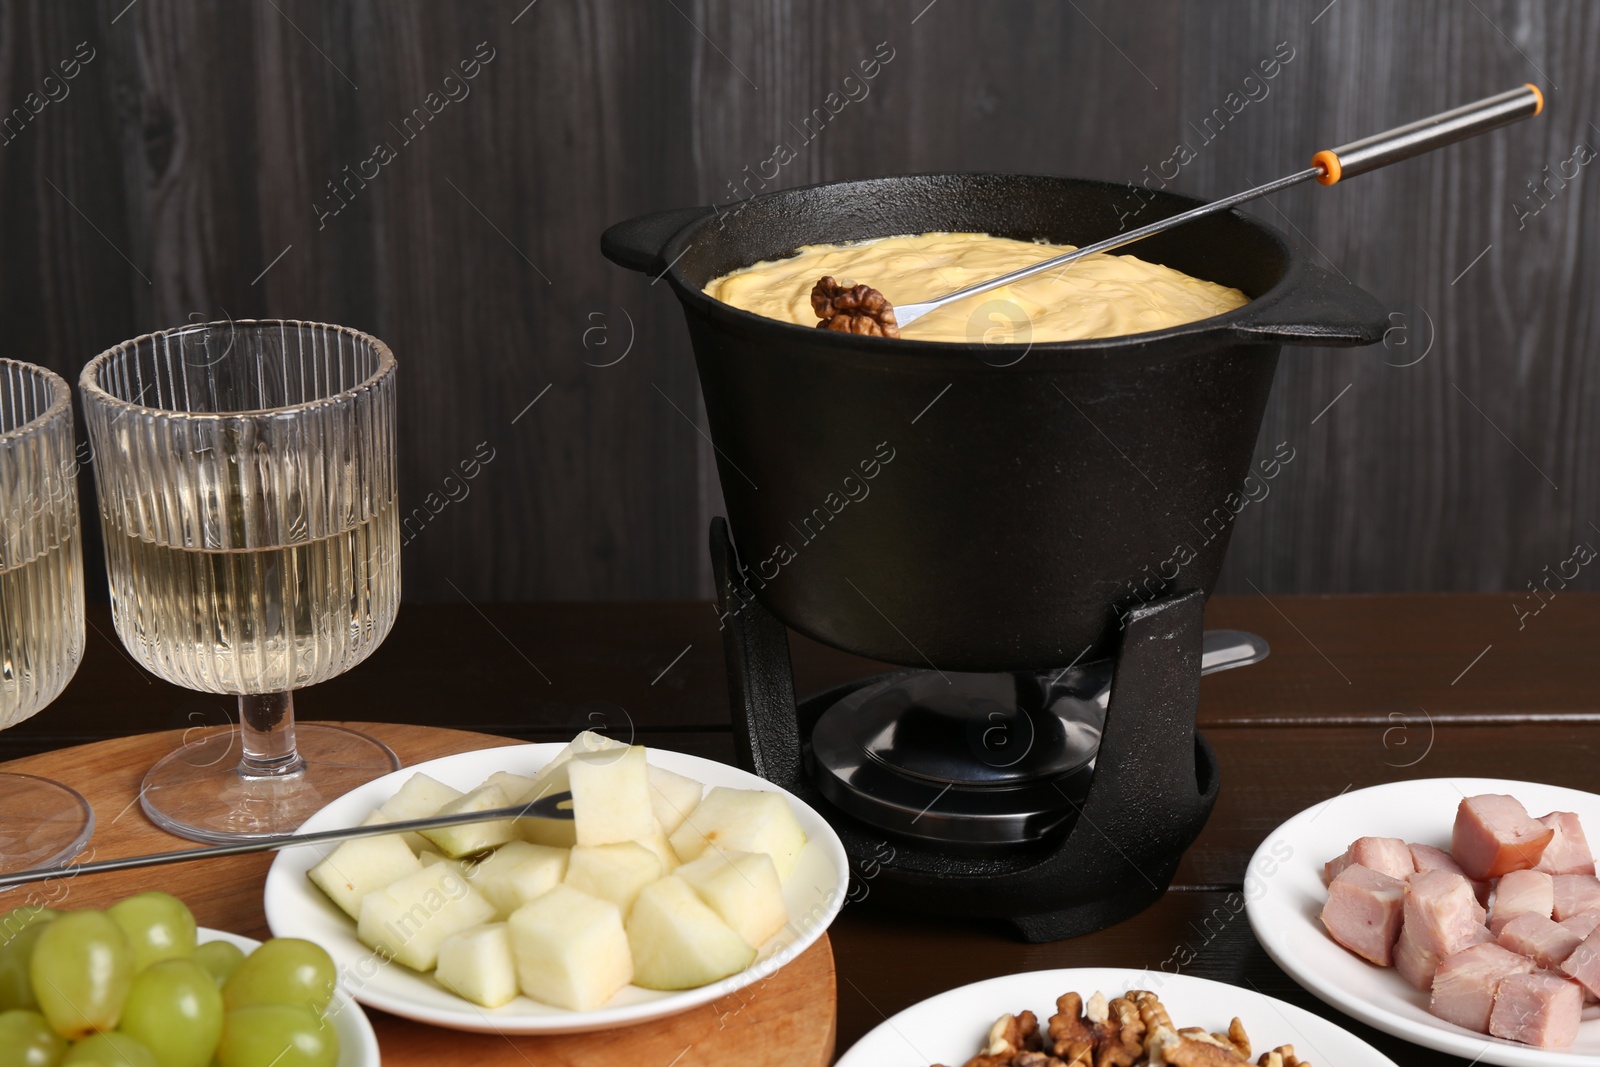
1584 964
1363 912
1521 893
1417 963
1465 984
1568 851
1575 894
1544 941
1427 858
1495 835
1441 916
1386 855
1538 1009
1583 924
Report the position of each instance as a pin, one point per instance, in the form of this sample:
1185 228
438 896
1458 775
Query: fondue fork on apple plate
861 309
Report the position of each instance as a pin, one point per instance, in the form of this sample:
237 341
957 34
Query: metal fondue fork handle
554 806
1328 167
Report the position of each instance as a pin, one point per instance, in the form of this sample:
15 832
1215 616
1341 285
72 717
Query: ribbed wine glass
41 603
246 479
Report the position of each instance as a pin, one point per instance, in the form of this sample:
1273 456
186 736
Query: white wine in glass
247 495
41 603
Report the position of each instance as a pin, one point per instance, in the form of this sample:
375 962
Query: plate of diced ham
1462 914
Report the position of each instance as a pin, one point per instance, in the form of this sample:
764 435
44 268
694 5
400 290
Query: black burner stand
1154 784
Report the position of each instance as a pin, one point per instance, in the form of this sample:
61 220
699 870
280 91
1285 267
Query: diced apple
419 798
361 866
743 820
552 777
658 843
611 796
556 833
570 949
613 872
409 919
742 888
467 838
673 797
518 788
516 873
477 964
678 942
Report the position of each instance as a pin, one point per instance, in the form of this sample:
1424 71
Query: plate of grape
140 985
675 881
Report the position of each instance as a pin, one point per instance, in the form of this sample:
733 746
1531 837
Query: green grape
26 1040
109 1050
81 969
158 926
221 958
277 1035
284 970
175 1010
18 919
16 987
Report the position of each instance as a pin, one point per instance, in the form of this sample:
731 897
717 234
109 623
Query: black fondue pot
984 507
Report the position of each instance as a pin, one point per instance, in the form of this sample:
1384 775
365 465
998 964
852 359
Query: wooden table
1357 691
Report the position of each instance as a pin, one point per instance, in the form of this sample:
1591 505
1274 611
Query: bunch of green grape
128 987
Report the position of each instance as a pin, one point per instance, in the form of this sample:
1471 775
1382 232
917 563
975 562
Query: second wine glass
246 478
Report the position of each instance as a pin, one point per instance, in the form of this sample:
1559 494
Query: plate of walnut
1094 1016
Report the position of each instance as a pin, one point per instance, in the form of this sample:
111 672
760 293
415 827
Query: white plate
358 1045
951 1027
296 908
1285 892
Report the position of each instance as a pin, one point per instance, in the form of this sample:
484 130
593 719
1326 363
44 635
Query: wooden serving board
786 1019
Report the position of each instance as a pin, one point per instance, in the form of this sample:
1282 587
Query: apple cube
743 889
361 866
516 873
467 838
743 820
570 949
613 872
409 919
678 942
552 777
611 796
658 843
518 788
477 964
673 797
419 798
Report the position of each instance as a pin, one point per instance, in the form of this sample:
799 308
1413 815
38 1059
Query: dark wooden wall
183 174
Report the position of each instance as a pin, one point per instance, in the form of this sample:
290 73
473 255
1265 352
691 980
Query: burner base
1154 785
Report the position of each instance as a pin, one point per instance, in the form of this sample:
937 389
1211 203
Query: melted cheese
1099 296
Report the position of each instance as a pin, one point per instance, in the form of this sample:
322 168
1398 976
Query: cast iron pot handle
1318 309
638 242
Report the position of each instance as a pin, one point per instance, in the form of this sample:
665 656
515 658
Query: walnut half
857 309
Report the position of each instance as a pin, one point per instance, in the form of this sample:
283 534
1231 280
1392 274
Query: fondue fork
554 806
1328 167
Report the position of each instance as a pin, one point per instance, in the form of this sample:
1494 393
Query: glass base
42 823
198 791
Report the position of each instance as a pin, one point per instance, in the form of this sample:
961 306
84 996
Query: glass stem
266 728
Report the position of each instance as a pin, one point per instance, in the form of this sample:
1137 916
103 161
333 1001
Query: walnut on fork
858 309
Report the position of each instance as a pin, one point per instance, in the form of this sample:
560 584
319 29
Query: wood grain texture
787 1018
208 163
1403 668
